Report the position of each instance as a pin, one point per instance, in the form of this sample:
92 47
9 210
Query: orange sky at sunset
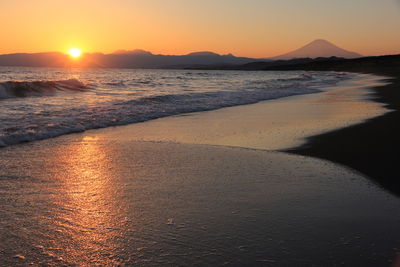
253 28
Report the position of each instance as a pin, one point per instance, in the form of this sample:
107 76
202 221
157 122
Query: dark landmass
372 147
50 59
382 65
121 59
134 59
262 64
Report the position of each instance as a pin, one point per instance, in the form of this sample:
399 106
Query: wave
139 110
13 89
136 102
302 77
116 84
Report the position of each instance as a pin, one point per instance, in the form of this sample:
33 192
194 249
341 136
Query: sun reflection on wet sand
88 218
80 201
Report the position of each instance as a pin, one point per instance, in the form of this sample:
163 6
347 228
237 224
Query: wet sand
165 193
371 148
81 200
269 125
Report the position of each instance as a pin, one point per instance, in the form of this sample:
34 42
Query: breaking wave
123 97
138 110
12 89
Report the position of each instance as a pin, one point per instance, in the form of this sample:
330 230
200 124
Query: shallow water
81 200
268 125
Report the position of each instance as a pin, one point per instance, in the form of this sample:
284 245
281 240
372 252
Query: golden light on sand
75 52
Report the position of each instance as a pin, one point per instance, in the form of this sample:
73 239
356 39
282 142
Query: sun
75 52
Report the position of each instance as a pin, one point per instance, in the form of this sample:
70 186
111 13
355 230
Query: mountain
203 53
49 59
144 59
133 52
122 59
319 48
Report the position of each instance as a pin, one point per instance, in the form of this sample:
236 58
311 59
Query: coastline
124 195
370 147
366 143
275 124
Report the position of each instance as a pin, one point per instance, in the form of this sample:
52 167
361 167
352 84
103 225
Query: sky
252 28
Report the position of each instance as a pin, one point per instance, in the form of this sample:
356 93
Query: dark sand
373 146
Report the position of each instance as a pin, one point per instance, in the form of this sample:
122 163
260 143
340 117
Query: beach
276 124
370 147
206 189
200 133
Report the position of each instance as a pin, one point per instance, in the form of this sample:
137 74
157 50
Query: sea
40 103
83 201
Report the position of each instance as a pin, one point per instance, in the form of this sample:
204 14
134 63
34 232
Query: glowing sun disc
75 52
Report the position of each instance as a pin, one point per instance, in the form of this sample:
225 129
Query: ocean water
39 103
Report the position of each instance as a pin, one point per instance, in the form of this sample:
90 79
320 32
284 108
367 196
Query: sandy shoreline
370 147
186 190
268 125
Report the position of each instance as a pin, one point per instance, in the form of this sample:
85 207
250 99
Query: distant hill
50 59
203 53
385 65
123 59
138 58
263 64
319 48
132 52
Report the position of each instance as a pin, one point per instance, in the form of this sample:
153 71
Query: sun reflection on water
89 218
